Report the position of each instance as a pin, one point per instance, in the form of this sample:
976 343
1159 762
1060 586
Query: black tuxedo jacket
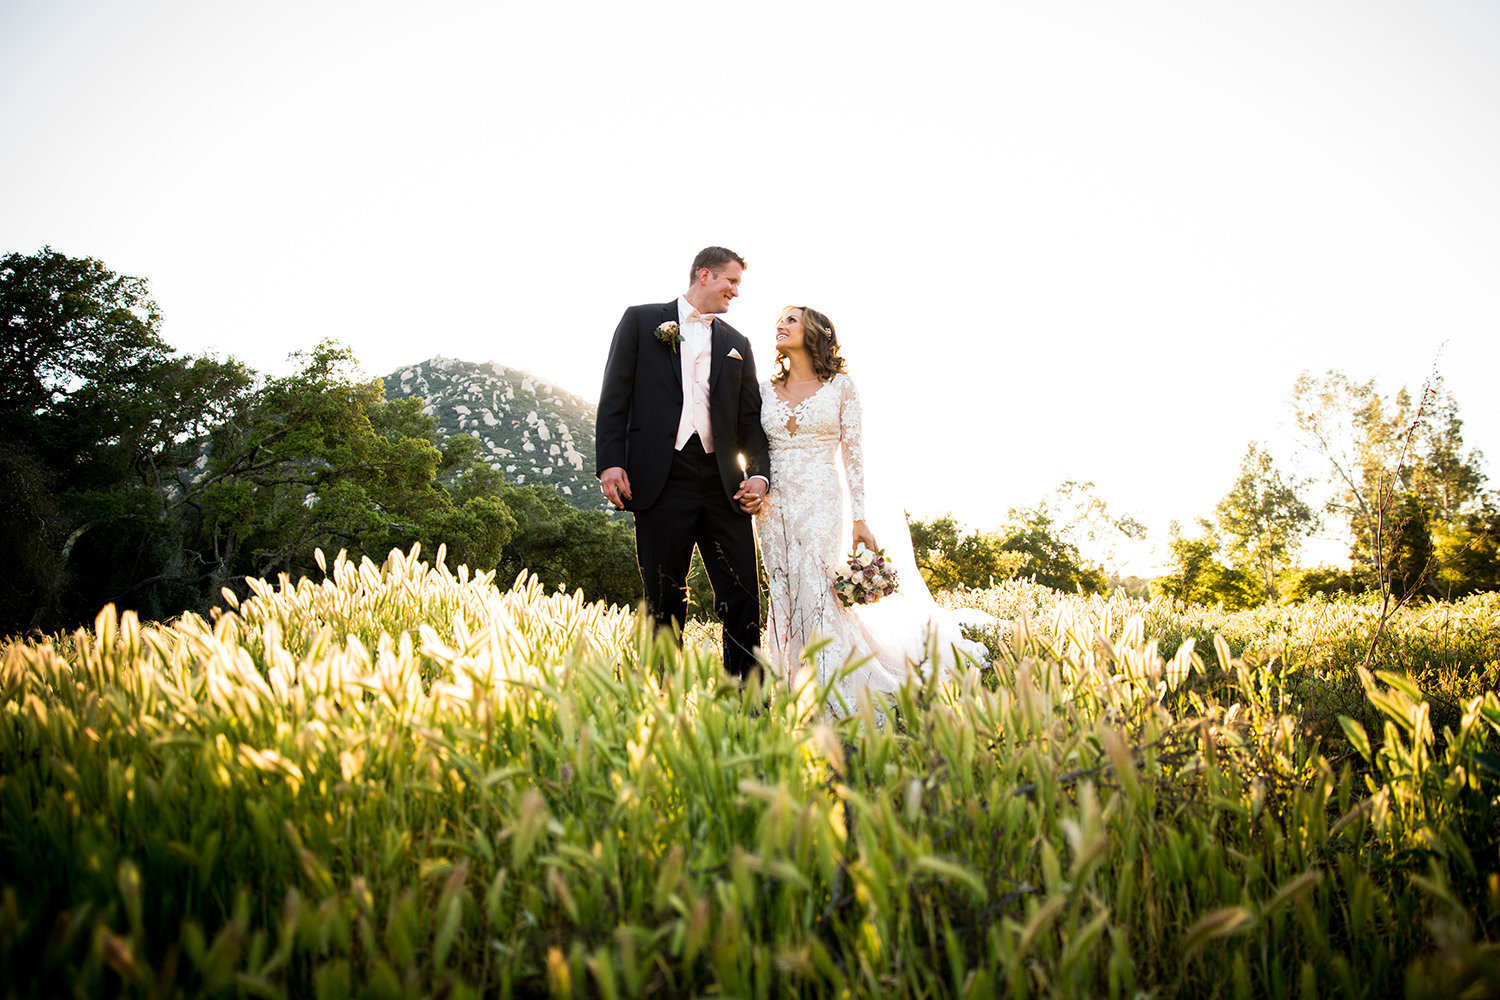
640 405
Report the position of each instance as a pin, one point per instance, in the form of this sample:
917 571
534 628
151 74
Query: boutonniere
669 334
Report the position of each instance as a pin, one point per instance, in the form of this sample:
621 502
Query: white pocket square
734 353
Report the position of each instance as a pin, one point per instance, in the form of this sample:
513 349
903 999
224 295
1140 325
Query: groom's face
722 288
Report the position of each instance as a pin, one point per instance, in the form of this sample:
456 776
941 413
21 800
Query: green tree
1448 480
1081 518
479 525
1401 473
1199 577
570 548
1042 542
135 476
1051 559
1299 584
1135 587
29 522
948 557
99 415
1029 546
73 330
320 459
1262 520
931 541
1346 424
1409 560
1052 534
1467 550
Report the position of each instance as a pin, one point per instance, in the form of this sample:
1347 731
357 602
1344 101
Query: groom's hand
751 495
616 486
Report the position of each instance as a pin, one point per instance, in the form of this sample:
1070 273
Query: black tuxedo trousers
682 498
691 510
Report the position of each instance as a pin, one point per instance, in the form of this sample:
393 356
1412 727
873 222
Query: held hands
751 495
616 486
862 534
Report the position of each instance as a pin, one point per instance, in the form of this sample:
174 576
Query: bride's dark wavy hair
822 345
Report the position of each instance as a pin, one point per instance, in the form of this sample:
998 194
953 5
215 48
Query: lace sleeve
854 452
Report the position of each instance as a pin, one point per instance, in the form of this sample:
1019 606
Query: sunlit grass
403 781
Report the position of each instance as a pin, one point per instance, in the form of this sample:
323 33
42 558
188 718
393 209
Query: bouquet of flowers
868 577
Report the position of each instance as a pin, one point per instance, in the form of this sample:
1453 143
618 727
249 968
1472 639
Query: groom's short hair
715 259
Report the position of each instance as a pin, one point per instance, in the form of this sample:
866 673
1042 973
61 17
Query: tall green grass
402 781
1447 642
1449 650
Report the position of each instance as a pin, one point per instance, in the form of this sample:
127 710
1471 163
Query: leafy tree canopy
1199 577
72 327
99 416
1262 519
570 548
136 476
1402 479
1041 542
320 459
948 557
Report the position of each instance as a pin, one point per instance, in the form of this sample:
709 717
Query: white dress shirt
696 352
696 358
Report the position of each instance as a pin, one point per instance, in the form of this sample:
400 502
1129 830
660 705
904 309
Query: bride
811 415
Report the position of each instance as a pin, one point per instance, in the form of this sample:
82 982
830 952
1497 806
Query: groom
679 407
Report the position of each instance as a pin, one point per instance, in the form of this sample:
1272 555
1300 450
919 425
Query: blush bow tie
698 317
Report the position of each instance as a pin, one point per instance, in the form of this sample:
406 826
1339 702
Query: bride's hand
751 495
862 534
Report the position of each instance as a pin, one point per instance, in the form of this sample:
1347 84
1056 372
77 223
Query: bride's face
789 331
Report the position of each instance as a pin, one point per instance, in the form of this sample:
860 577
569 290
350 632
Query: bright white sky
1086 240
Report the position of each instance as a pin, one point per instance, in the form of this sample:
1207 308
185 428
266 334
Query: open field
401 781
1449 649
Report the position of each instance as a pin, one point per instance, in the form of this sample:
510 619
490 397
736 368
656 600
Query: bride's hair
821 344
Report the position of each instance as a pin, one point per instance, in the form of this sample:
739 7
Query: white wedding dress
805 538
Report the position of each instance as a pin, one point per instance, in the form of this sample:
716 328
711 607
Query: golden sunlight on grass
400 780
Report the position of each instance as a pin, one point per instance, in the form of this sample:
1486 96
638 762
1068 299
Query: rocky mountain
526 427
